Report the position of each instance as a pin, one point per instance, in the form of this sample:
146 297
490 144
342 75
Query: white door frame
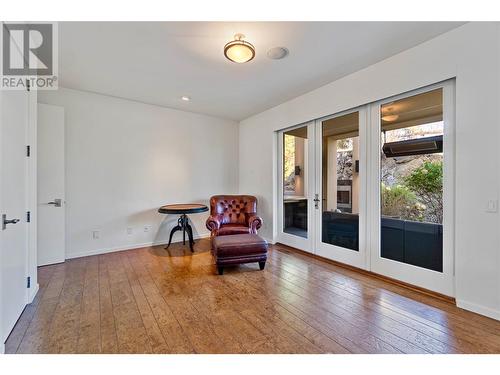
441 282
305 244
31 198
2 345
348 256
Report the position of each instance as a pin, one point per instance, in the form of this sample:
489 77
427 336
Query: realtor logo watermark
29 56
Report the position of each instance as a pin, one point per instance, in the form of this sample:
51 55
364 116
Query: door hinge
28 216
28 85
28 282
28 151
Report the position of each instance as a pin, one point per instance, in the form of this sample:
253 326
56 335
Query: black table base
183 224
183 209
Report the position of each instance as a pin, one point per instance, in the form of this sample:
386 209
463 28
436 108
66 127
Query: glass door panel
412 154
340 198
411 178
341 180
296 160
295 187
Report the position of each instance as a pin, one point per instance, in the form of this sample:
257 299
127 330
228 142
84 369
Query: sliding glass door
373 187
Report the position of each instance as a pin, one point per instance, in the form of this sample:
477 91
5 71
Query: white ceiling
158 62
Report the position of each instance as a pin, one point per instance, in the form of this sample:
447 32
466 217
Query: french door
412 197
296 186
373 187
341 182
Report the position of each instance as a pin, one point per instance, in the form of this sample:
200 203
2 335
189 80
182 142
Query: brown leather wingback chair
233 214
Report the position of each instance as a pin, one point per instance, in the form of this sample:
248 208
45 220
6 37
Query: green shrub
399 201
427 184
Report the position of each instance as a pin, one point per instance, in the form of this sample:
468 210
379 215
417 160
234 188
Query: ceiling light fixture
186 98
390 118
239 51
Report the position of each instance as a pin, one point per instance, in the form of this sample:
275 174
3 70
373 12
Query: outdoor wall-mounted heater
417 146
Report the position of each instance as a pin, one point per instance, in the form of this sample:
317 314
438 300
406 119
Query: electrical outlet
147 228
95 234
130 230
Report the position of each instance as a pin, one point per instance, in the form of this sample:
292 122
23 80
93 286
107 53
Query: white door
412 194
341 183
13 226
296 186
50 180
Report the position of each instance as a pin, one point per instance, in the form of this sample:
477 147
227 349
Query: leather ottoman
238 249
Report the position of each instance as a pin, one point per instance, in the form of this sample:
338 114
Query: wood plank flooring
150 300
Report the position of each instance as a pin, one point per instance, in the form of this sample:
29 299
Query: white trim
269 241
2 346
479 309
31 194
275 180
127 247
32 293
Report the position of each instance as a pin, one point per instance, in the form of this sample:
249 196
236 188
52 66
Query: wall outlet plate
130 230
95 234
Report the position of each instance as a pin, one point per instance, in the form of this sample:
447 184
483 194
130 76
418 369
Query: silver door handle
56 202
6 221
316 201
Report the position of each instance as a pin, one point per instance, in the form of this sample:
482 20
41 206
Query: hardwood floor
152 301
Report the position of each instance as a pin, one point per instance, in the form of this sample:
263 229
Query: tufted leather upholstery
233 214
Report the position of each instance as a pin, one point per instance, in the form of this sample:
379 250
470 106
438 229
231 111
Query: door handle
5 221
316 201
56 202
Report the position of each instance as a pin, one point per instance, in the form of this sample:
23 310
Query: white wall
125 159
470 53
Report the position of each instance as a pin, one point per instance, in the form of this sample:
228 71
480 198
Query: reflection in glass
412 180
340 167
295 182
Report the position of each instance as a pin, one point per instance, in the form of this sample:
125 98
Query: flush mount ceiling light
239 51
185 98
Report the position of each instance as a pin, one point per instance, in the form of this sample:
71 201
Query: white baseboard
269 241
482 310
32 293
125 247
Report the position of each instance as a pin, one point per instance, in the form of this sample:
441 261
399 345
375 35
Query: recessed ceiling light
186 98
239 51
277 53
